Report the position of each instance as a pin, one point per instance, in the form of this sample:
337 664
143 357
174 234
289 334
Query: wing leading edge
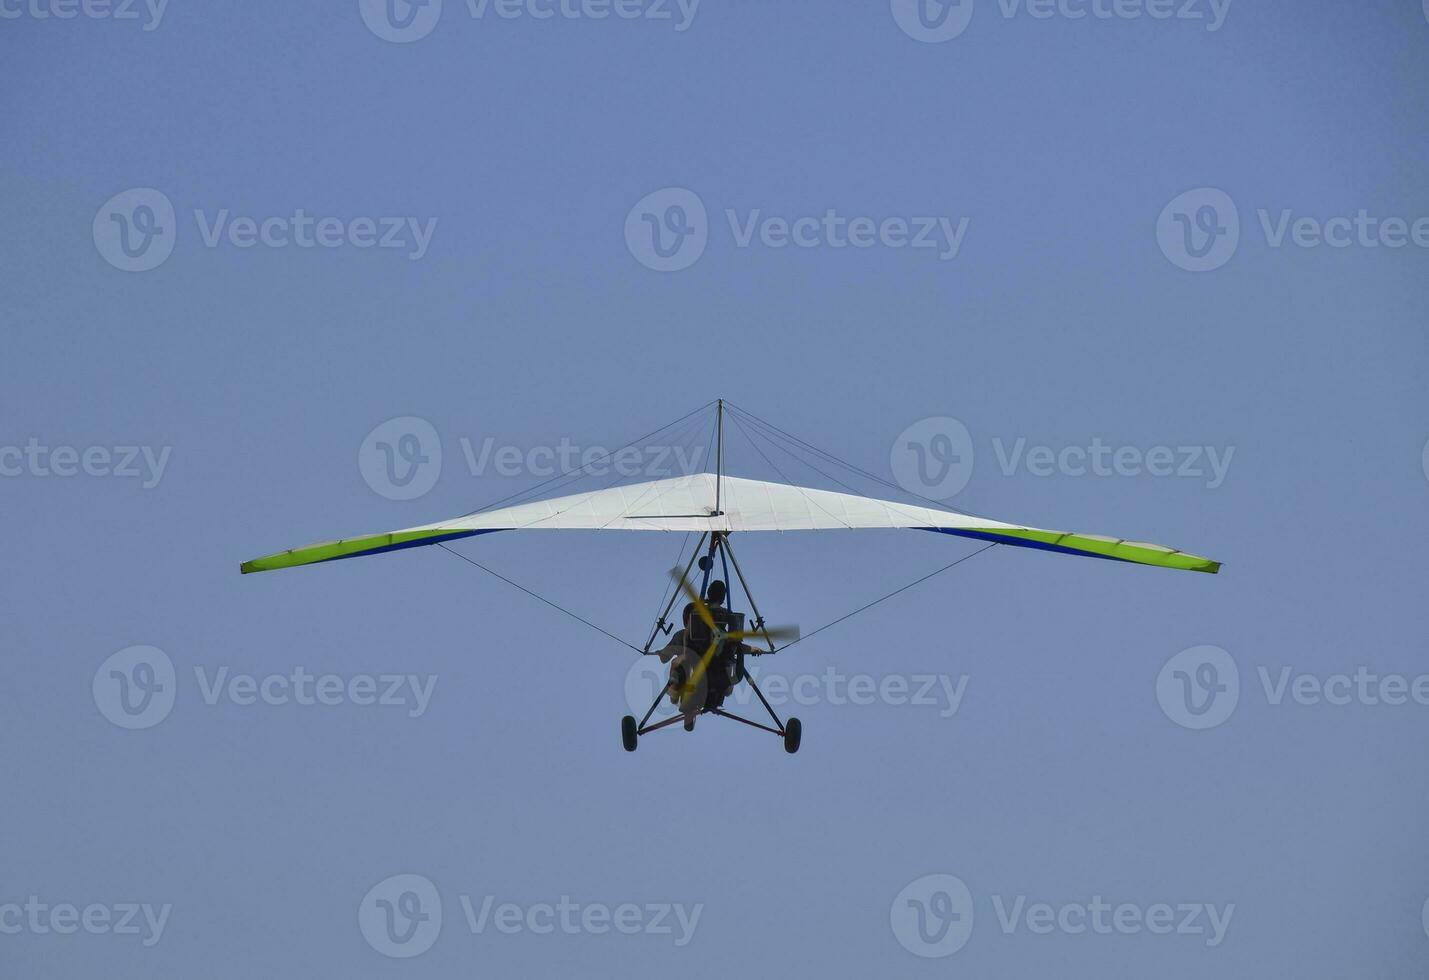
686 503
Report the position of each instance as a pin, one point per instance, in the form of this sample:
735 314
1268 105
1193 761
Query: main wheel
629 734
793 731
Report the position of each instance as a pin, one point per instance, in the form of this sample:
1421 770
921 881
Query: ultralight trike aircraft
717 506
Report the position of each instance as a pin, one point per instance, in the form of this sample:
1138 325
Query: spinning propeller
719 636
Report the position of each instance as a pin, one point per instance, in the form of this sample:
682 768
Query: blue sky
1120 273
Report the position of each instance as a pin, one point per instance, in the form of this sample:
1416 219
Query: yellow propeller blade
699 671
775 634
704 613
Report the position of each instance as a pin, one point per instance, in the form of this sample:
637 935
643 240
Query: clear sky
1165 276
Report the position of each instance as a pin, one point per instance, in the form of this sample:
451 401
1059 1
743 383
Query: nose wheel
629 733
793 732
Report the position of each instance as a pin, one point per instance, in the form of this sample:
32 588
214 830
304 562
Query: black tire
629 736
793 732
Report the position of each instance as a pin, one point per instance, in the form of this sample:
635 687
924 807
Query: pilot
716 680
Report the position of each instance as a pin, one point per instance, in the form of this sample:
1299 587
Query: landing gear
730 628
793 731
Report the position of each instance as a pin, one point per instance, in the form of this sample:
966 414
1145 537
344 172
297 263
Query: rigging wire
790 483
780 441
750 416
537 595
824 454
762 428
775 440
577 471
668 592
890 595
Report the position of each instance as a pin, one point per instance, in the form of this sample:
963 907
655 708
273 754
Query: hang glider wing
687 503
